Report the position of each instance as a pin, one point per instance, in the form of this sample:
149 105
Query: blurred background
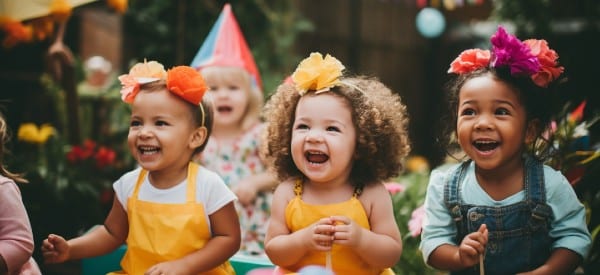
59 61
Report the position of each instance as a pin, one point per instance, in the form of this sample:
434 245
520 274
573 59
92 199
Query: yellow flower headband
183 81
317 74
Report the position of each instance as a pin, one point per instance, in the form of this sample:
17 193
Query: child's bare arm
285 248
561 261
225 242
382 245
250 186
450 257
99 241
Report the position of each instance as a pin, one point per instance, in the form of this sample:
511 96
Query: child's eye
213 88
233 87
134 123
161 123
467 112
502 112
301 126
333 128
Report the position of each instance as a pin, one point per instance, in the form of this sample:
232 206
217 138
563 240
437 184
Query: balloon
430 22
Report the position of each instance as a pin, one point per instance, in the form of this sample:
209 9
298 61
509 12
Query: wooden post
61 66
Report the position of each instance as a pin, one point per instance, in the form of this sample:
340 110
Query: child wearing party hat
176 217
234 86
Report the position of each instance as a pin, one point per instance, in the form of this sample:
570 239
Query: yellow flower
30 133
317 74
417 164
60 10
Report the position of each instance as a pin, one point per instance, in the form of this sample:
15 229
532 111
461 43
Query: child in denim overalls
503 207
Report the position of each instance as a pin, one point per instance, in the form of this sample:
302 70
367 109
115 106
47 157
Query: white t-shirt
211 191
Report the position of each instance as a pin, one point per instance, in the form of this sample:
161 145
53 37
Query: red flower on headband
549 69
187 83
470 60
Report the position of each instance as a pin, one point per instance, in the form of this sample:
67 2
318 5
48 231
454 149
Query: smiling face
162 132
491 125
323 138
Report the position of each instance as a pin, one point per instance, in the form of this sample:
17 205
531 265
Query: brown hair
378 114
199 113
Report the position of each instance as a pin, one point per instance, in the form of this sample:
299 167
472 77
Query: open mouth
486 145
224 109
316 157
148 150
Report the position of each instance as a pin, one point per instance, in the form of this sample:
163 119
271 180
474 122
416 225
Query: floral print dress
233 163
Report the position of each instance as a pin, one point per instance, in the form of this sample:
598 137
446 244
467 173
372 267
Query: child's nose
314 136
484 122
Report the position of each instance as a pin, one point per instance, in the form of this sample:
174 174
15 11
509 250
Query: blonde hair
381 122
4 138
220 75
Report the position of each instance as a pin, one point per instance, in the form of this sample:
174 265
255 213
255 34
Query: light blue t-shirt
568 226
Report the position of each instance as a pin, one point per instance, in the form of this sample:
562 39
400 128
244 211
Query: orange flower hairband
183 81
317 74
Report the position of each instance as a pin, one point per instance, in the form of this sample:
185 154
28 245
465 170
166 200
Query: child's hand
346 231
245 192
55 249
473 245
320 234
167 268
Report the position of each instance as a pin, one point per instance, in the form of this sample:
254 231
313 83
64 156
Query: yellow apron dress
299 214
160 232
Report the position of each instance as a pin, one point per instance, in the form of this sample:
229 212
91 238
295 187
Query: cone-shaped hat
225 46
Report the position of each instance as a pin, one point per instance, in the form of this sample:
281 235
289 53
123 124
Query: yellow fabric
299 214
163 232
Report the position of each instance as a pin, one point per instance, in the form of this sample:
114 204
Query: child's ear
531 131
198 137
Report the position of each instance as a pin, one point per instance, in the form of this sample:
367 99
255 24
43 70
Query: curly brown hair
380 119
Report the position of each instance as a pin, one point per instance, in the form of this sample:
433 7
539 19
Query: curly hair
540 105
380 119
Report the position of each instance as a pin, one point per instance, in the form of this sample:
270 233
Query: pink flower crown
183 81
532 58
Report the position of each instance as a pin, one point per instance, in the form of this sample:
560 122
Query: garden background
60 94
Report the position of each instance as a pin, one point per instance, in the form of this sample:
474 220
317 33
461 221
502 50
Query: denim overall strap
452 196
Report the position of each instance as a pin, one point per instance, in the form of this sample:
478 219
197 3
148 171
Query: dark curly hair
540 105
378 115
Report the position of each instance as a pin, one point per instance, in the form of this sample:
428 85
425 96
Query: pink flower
470 60
415 224
508 50
547 57
394 187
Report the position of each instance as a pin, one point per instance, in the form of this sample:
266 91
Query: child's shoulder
286 188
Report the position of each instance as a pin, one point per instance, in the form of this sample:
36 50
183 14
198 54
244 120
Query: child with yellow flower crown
175 216
16 238
502 211
333 140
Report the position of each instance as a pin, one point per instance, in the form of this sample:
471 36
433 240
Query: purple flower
507 50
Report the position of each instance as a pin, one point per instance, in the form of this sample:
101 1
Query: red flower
577 114
470 60
104 157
